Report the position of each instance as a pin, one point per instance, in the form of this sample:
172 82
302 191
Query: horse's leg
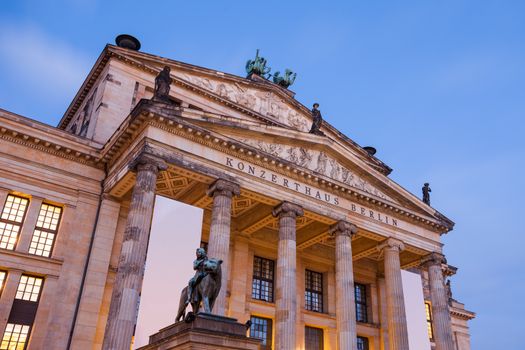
182 305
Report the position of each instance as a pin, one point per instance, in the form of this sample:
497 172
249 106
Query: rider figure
198 266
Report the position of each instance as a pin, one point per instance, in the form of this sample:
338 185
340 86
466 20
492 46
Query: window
15 337
362 343
428 309
45 230
3 275
313 295
313 338
261 328
262 284
360 303
11 220
29 288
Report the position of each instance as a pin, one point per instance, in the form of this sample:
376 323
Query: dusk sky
436 86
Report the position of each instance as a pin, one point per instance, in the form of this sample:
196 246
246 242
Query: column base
206 332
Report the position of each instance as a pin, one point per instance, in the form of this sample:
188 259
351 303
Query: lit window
262 283
428 309
313 294
361 312
313 338
15 337
3 275
29 288
261 328
362 343
11 220
45 230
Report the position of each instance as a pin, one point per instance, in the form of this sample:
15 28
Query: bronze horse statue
205 292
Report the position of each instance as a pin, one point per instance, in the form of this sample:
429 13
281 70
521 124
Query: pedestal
206 332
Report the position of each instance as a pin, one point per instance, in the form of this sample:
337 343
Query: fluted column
438 294
128 283
344 285
286 288
397 322
222 192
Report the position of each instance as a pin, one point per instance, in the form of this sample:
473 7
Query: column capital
147 161
434 259
287 209
224 187
391 244
344 228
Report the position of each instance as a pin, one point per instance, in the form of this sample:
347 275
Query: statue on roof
258 66
286 80
162 85
426 193
317 121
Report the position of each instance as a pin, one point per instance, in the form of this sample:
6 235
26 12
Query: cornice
47 139
462 313
169 119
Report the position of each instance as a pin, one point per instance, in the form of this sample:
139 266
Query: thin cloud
40 59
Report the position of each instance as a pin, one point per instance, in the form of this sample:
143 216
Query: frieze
319 162
302 188
263 102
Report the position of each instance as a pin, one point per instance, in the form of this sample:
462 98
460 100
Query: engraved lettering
240 166
371 214
318 195
251 170
274 178
307 190
336 201
229 162
327 197
262 176
353 207
363 211
297 186
394 222
285 182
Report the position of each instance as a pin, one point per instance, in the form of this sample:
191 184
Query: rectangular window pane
428 309
362 343
313 294
261 328
45 230
3 276
262 283
15 337
11 220
313 338
361 310
29 288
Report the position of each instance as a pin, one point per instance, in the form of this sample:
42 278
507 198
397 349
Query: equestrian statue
203 288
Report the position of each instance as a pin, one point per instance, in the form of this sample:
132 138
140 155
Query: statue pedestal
206 332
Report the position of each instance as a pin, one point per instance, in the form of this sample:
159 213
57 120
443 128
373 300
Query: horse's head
212 266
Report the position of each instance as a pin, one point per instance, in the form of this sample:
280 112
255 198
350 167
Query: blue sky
436 86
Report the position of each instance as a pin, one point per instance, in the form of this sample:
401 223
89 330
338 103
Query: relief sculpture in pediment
319 162
264 102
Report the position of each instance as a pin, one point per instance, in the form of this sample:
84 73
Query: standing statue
162 85
426 193
202 288
258 66
317 120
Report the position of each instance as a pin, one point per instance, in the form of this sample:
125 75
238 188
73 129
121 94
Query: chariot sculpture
258 66
286 80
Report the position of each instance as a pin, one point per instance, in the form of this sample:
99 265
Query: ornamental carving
319 162
265 103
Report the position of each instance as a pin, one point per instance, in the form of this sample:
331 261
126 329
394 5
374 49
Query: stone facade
319 210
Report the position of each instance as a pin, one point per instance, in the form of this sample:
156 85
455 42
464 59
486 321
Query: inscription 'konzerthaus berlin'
319 246
310 191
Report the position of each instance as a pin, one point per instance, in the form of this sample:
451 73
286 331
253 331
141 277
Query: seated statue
198 266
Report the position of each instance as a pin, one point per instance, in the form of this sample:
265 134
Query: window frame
39 290
42 229
320 341
269 331
366 342
12 222
28 334
361 304
258 279
310 288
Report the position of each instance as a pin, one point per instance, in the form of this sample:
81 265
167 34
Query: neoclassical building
321 249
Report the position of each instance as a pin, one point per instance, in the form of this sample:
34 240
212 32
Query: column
438 295
344 285
8 296
26 234
222 192
286 289
130 273
395 303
